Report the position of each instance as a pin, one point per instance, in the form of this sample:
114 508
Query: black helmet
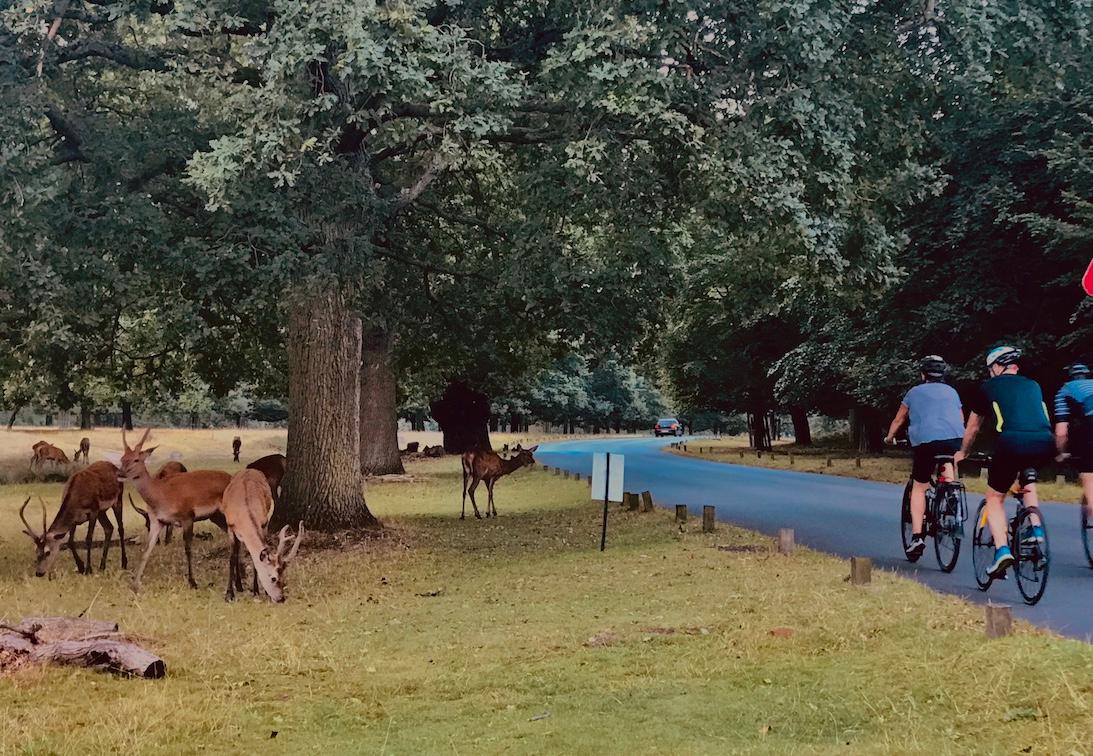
1004 356
1077 370
933 367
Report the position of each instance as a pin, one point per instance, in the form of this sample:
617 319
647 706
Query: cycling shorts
1016 452
1080 446
924 464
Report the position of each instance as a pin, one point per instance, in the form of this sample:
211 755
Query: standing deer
237 444
180 500
273 467
486 465
87 496
169 469
85 447
47 452
247 506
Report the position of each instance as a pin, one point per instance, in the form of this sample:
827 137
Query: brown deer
180 500
87 496
47 452
247 506
168 470
85 447
485 465
237 444
273 467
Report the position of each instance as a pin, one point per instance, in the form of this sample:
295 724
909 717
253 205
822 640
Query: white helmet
1003 355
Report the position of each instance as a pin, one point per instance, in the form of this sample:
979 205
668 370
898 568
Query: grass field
892 467
517 635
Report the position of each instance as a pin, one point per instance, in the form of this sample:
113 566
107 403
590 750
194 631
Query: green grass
470 637
894 466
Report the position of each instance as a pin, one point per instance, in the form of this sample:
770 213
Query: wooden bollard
785 541
565 474
741 455
999 620
829 461
708 518
557 471
857 462
681 513
632 501
791 459
1060 479
861 570
758 454
685 447
646 501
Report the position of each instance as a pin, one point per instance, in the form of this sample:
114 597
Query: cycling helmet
1077 370
933 367
1003 355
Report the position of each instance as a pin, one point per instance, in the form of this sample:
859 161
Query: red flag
1087 280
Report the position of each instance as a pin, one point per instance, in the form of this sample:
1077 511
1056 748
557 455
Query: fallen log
74 641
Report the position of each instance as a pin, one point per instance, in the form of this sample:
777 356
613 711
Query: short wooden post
861 570
631 501
708 518
646 501
999 620
785 541
758 454
685 447
857 462
565 474
829 461
681 513
1060 479
546 468
741 455
791 459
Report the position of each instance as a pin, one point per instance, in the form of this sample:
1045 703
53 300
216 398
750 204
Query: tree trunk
494 424
514 422
462 414
802 433
85 417
11 420
323 485
872 431
127 415
760 436
49 420
379 409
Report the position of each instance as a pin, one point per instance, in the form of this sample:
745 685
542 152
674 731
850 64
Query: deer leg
119 517
107 536
154 528
489 487
87 542
474 485
74 550
187 541
463 512
167 534
229 595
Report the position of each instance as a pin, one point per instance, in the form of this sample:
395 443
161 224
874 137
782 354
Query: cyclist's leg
996 517
922 467
1000 479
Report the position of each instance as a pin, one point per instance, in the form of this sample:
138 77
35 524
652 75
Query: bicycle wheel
906 531
1032 560
982 547
948 528
1087 532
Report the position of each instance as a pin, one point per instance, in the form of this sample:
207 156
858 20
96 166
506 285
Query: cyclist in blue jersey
1074 425
1015 406
937 426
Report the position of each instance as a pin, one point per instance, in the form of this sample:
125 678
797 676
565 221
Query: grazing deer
180 500
247 506
273 467
237 444
486 465
47 452
85 447
87 495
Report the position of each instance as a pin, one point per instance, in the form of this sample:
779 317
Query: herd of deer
241 505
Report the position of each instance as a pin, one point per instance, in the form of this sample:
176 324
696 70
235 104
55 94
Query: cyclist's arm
970 432
897 422
1062 430
1062 420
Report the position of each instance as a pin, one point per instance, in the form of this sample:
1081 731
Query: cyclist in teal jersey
1074 425
1014 406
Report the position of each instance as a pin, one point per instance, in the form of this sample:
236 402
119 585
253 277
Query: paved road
842 516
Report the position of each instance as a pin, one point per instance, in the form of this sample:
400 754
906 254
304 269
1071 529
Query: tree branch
410 194
71 148
93 48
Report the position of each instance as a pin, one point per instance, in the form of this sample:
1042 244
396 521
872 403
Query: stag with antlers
180 501
485 465
87 496
247 505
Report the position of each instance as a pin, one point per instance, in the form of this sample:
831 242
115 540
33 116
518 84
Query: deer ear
59 536
264 556
533 448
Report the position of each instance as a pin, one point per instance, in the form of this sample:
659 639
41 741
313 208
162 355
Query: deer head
270 566
46 545
132 462
525 456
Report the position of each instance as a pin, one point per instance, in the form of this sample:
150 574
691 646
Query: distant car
667 426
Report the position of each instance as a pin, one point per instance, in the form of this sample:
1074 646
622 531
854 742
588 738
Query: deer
47 452
237 444
180 500
87 496
273 467
169 469
247 506
485 465
85 447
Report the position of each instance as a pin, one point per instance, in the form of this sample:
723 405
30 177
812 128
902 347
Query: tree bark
462 413
760 437
323 486
127 415
802 433
85 417
379 411
14 413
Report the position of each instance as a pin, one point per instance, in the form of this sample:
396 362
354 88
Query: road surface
843 516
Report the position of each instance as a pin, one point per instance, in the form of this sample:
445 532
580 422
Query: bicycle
946 512
1087 521
1031 558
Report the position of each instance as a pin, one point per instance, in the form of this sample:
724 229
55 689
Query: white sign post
607 480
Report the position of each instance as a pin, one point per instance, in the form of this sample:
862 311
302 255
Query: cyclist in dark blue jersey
1074 425
1014 406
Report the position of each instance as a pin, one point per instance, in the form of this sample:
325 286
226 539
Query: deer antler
29 530
123 441
296 543
45 527
140 444
283 540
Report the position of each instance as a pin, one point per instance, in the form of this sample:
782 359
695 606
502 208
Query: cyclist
1074 425
937 426
1015 405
